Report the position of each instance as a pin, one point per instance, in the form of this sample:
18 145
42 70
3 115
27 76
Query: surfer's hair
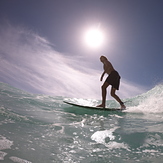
103 57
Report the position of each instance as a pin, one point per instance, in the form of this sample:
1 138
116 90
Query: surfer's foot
123 106
101 106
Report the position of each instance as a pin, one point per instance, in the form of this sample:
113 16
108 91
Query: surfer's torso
108 67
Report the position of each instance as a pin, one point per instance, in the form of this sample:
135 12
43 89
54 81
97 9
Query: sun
94 38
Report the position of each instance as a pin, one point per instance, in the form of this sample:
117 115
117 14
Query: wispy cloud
29 62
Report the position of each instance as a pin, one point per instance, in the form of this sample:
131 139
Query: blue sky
42 49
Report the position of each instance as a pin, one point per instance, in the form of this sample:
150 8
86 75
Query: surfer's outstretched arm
102 76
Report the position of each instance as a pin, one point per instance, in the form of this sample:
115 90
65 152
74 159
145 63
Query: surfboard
93 107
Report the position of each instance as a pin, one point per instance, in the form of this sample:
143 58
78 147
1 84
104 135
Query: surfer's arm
102 75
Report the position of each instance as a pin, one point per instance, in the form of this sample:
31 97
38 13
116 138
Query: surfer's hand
101 77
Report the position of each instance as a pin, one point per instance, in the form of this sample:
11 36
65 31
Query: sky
42 49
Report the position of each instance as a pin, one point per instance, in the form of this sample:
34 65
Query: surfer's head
103 58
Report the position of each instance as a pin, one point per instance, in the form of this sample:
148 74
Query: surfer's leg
117 98
104 91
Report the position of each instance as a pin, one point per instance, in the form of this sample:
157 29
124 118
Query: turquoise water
43 129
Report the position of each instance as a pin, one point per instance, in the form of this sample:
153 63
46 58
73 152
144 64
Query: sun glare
94 38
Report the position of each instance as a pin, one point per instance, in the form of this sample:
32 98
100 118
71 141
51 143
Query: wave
33 124
148 102
13 99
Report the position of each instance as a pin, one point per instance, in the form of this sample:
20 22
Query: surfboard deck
93 107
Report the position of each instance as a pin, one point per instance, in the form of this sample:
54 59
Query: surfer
113 79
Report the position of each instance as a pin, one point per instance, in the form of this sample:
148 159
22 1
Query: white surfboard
93 107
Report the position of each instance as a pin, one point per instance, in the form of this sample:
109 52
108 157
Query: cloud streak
29 62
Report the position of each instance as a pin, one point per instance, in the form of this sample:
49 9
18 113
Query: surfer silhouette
113 79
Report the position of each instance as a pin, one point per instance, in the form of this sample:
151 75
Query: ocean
43 129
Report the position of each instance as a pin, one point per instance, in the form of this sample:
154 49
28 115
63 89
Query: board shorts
114 79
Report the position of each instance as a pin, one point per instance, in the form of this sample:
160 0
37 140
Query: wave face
41 128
